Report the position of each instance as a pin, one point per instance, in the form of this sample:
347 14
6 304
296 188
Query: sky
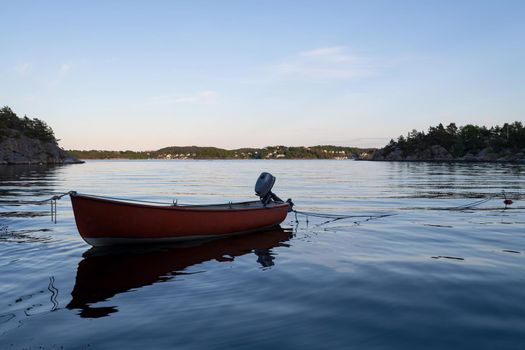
142 75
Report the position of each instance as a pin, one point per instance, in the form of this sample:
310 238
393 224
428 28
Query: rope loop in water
336 217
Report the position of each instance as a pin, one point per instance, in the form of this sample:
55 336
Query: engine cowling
263 188
264 185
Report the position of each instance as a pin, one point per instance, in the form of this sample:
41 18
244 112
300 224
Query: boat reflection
107 271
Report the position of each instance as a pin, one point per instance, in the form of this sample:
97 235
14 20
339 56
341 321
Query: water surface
424 277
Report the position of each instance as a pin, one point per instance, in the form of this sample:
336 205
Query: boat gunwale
225 207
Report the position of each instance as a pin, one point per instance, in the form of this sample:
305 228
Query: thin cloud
62 73
335 62
64 70
202 97
332 54
23 69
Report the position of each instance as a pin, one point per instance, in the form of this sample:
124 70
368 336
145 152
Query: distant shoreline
212 153
236 159
450 161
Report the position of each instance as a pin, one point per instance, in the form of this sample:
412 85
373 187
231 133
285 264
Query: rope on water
331 217
59 196
54 293
469 205
477 203
52 200
336 217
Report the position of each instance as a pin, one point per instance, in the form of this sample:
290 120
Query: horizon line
226 149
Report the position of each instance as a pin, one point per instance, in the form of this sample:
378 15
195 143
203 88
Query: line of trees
196 152
12 126
459 141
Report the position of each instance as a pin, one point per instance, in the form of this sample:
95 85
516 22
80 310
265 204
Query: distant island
29 141
469 143
32 141
196 152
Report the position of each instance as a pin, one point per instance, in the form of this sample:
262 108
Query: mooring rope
469 205
331 217
506 202
19 202
128 199
52 200
336 217
54 293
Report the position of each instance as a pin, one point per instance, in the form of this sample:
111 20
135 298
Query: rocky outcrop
17 148
437 153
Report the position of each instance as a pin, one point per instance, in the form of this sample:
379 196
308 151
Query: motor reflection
107 271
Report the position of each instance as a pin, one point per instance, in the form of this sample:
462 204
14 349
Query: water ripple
424 277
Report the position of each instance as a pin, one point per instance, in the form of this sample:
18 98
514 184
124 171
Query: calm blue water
421 278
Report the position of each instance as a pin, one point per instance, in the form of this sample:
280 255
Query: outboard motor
263 188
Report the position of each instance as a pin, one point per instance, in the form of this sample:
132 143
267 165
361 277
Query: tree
32 128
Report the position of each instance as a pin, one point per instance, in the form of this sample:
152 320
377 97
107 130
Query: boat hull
108 222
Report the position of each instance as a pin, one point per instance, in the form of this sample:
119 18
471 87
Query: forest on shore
197 152
11 125
25 141
467 143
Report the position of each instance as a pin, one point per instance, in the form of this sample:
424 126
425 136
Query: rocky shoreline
437 153
18 149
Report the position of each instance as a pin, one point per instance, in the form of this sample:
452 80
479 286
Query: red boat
103 221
